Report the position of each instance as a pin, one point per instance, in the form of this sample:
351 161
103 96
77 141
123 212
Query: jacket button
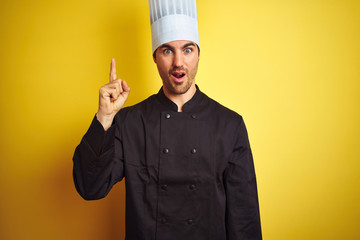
190 221
164 187
167 116
192 186
193 116
165 150
193 151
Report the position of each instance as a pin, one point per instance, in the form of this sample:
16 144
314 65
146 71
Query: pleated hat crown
173 20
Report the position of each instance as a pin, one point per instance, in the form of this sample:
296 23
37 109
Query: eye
167 51
188 50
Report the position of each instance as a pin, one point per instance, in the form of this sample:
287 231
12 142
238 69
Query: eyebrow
166 46
188 45
171 48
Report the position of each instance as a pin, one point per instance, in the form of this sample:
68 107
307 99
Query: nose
178 60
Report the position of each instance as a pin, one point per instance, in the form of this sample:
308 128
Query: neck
180 99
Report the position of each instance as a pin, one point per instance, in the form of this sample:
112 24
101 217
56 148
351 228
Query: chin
181 88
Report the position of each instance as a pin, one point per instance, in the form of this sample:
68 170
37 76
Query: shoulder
228 123
144 104
222 112
147 105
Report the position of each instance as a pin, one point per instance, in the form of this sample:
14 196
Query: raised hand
112 98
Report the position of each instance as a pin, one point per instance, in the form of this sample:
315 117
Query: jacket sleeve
242 207
98 161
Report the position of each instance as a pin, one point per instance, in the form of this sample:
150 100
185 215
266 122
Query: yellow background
291 68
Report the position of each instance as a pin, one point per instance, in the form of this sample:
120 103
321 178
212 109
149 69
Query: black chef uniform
189 175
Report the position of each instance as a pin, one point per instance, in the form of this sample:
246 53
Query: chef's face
177 63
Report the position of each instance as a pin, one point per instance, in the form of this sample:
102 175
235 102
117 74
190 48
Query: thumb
125 87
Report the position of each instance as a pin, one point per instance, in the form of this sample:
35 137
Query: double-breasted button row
193 116
166 150
189 221
191 187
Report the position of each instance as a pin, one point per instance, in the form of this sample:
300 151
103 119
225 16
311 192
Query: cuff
99 139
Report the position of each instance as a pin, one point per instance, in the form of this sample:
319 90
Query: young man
186 159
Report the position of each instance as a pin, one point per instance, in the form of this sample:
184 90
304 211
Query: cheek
162 66
194 66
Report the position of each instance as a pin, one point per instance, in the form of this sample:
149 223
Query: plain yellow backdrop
290 68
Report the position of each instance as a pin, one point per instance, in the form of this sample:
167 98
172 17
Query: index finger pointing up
113 70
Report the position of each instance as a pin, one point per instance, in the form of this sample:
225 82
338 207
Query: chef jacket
188 175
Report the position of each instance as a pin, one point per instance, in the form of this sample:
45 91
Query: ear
154 56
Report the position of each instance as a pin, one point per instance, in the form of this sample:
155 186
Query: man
186 159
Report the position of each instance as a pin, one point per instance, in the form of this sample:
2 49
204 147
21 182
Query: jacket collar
190 106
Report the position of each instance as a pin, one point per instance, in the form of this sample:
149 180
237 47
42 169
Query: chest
177 147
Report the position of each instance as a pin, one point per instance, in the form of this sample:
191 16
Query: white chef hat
173 20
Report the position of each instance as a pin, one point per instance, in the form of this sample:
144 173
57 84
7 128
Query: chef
185 159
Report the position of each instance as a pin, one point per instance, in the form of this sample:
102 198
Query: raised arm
98 159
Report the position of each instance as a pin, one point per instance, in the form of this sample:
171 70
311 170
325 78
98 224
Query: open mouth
178 75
